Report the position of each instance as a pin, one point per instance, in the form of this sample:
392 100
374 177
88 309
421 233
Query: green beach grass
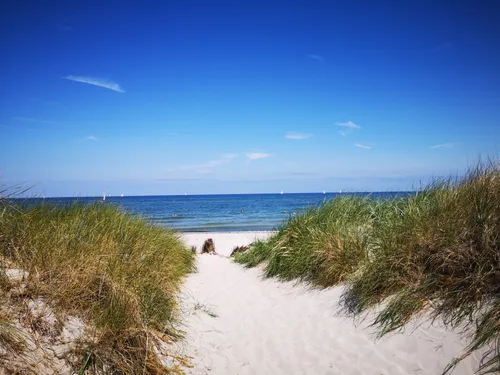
116 271
436 252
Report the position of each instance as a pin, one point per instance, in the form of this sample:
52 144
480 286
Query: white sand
269 327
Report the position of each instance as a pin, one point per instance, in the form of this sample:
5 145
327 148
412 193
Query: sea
219 213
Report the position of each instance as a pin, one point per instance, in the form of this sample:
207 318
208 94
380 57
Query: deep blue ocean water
218 213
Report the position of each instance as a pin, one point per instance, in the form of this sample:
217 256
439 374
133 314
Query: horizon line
213 194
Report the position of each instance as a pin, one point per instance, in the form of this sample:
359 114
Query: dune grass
436 252
322 245
116 271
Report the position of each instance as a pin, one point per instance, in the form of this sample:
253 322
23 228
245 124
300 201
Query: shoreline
229 232
224 242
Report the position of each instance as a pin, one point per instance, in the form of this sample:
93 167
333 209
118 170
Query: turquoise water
219 213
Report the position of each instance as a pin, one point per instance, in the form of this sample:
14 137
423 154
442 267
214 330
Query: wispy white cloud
91 138
257 155
316 57
230 156
96 82
297 136
348 124
366 147
201 168
444 145
207 165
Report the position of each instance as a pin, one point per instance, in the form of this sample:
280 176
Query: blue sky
174 97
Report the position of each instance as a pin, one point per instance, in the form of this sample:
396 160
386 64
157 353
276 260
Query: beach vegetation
117 272
433 253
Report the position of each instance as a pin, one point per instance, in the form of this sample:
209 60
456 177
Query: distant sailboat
340 191
103 196
121 195
281 192
324 191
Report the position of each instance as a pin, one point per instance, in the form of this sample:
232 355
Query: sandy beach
238 323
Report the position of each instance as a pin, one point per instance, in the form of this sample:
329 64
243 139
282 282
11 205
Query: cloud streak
297 136
257 155
91 138
104 83
348 124
444 145
206 167
366 147
316 57
202 166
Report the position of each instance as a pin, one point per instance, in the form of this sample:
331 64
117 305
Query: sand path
237 323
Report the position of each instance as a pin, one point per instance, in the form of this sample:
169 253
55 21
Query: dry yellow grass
118 272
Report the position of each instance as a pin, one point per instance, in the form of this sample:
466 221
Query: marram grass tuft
435 252
115 270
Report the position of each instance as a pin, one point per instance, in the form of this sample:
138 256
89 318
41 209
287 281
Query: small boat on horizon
281 192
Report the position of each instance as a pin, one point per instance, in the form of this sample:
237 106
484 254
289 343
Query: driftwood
208 247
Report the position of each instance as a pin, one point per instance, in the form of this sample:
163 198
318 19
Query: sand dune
237 323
